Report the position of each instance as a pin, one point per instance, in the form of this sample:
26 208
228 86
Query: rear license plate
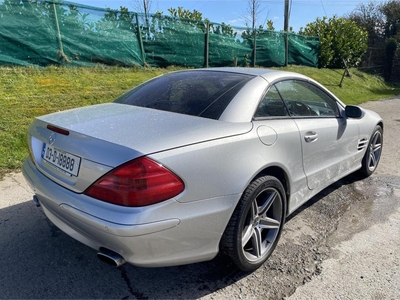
61 160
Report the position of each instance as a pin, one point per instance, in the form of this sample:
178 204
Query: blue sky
232 12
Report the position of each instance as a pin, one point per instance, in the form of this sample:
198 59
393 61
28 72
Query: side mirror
354 112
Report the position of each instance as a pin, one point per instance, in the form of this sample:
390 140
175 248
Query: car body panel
331 150
234 162
131 127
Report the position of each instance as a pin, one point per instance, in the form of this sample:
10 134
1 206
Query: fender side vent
362 144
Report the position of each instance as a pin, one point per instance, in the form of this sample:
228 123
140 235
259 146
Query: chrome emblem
52 138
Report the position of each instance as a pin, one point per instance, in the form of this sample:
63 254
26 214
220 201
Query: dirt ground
343 244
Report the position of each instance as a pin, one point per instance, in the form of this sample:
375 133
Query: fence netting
34 32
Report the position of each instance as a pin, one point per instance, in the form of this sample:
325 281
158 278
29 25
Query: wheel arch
282 176
232 237
380 123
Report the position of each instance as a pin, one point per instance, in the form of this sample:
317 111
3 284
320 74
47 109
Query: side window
305 99
271 105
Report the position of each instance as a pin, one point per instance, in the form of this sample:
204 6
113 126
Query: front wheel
256 224
373 154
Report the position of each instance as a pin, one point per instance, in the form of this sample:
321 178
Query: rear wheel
256 224
373 153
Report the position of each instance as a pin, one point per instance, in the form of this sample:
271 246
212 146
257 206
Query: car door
279 135
329 139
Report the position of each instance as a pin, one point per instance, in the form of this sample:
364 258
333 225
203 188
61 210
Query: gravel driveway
343 244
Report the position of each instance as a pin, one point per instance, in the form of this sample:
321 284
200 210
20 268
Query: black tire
256 224
373 154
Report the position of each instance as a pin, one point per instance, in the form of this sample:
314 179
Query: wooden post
286 30
61 53
206 45
235 61
255 46
139 32
346 72
346 68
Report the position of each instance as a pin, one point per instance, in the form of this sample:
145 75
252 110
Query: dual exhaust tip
110 257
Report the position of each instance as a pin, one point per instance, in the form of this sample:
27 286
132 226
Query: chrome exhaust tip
110 257
36 201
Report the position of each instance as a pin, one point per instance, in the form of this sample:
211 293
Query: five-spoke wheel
373 153
256 224
262 224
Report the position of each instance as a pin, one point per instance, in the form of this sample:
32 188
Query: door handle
310 136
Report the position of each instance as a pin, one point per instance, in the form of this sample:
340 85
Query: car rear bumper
165 234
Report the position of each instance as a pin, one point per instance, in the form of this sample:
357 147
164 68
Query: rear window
198 93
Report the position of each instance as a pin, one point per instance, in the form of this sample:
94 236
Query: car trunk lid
101 137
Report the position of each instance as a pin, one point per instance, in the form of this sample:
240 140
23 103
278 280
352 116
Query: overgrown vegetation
342 42
381 21
29 92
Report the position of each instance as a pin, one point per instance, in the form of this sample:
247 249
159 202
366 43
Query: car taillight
139 182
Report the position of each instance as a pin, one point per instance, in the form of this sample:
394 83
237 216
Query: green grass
29 92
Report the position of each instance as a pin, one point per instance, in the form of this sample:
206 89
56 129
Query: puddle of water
374 200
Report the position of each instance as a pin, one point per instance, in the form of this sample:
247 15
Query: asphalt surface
343 244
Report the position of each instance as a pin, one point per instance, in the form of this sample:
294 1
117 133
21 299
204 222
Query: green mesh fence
270 47
47 33
303 50
226 43
169 41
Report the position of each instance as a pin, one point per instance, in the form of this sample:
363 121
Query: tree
74 19
185 14
252 13
391 11
382 21
225 30
144 7
370 17
270 25
114 19
177 17
390 53
341 41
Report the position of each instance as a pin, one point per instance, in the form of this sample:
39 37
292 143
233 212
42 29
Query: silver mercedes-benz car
196 162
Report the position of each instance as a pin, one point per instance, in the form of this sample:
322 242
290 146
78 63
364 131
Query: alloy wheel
262 224
375 149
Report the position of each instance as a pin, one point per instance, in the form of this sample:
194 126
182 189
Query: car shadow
40 261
